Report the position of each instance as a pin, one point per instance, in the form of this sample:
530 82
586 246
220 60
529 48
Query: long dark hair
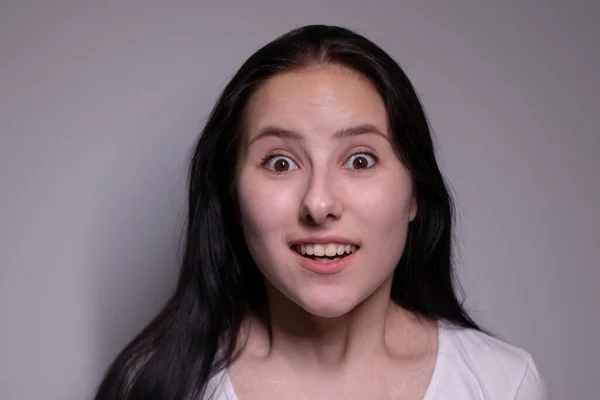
194 336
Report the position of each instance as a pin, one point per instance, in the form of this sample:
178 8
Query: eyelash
270 156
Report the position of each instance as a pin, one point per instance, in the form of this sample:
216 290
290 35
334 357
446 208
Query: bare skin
327 336
393 359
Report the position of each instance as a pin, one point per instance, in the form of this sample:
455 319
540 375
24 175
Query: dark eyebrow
273 131
357 130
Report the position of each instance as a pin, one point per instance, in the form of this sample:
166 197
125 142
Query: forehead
320 100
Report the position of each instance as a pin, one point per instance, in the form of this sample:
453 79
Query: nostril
308 219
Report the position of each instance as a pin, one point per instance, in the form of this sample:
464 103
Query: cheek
385 211
266 210
265 207
385 202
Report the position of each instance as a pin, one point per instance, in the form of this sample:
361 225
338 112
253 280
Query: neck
374 328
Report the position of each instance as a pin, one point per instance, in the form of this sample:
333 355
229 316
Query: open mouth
325 253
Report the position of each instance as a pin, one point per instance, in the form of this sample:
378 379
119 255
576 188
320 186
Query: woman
318 256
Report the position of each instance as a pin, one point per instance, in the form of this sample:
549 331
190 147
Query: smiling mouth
325 253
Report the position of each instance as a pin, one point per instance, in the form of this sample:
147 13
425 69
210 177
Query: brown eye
280 164
361 161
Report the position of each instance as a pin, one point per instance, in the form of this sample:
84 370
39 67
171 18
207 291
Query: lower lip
332 267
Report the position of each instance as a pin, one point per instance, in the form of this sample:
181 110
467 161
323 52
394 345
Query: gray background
100 102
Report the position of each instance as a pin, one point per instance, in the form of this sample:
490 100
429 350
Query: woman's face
317 175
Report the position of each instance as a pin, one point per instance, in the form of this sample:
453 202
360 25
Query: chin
329 305
328 312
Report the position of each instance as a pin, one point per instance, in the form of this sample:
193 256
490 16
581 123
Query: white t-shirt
470 365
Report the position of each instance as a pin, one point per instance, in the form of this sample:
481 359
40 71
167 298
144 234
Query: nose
320 203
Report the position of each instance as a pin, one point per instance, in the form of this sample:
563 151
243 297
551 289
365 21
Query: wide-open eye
279 163
361 161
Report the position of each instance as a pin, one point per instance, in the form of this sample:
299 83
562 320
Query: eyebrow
362 129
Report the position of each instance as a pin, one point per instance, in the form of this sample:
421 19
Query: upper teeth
329 250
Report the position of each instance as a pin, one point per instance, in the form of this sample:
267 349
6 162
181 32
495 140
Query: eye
279 163
361 161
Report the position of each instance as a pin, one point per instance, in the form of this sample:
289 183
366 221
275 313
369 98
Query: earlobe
413 209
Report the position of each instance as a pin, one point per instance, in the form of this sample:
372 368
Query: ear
413 208
235 203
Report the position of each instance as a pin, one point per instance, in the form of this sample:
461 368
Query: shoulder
470 347
491 368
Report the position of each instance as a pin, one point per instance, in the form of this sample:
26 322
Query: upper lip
323 240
